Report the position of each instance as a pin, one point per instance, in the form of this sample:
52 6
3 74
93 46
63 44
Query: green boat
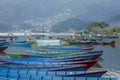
85 56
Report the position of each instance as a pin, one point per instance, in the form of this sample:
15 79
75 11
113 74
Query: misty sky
32 9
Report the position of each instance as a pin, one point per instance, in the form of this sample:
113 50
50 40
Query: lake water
110 58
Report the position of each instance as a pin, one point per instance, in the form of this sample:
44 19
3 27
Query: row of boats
52 62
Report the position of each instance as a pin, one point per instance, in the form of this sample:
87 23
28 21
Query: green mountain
70 25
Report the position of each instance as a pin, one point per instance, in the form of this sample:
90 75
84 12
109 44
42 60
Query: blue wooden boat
69 47
18 44
38 77
55 50
62 52
85 56
51 66
43 63
9 71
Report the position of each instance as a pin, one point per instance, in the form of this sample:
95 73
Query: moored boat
65 47
2 48
18 44
79 42
112 43
46 64
85 56
62 52
26 72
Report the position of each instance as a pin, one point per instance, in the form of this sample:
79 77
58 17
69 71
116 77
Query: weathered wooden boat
2 48
54 59
18 44
55 50
85 56
49 67
57 66
67 50
26 72
69 47
85 48
79 42
52 68
26 62
62 52
2 62
39 77
112 43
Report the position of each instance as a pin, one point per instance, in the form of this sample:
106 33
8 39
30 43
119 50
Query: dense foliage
102 27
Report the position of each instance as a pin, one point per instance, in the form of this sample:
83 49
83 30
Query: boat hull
2 48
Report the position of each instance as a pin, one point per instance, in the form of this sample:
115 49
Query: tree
95 26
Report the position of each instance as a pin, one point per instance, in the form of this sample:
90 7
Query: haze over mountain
18 14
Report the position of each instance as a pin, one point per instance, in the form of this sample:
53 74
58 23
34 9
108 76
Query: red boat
112 43
70 66
2 48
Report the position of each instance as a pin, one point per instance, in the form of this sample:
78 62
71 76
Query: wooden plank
80 78
68 78
104 79
57 78
91 78
46 78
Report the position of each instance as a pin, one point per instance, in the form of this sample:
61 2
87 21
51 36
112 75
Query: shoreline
23 34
